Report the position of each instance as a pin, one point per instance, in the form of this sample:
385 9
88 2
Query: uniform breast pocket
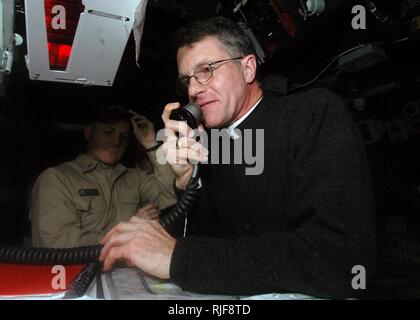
128 204
91 213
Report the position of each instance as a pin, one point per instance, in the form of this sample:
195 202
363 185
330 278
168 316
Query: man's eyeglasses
203 72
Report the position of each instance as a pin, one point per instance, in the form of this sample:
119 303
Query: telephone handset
191 113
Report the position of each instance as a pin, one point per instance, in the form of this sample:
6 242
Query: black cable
49 256
184 206
80 284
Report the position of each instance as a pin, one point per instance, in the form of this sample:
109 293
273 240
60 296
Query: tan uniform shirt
76 203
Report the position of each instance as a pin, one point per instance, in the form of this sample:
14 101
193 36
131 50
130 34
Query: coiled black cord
80 284
184 206
49 256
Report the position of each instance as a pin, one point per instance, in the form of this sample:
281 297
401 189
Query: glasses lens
202 73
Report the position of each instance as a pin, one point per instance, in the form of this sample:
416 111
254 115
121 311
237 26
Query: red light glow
60 41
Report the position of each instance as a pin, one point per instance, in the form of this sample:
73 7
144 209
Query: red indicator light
62 18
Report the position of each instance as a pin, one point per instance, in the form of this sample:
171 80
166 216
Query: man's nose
194 87
116 140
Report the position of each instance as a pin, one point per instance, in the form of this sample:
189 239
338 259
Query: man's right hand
178 151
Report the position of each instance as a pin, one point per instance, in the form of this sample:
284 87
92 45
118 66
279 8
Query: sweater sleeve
332 202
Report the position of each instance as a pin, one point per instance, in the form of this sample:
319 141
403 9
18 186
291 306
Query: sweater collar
233 126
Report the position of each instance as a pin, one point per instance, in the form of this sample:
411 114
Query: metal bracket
6 61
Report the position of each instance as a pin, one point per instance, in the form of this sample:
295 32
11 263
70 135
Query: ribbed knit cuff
180 260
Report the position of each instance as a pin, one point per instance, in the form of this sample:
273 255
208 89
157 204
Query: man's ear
88 131
250 63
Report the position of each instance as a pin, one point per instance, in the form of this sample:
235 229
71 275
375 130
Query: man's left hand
150 212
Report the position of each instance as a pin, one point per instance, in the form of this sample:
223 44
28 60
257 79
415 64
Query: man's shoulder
303 104
319 96
133 173
67 166
61 169
303 97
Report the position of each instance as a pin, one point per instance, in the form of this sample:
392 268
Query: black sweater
298 227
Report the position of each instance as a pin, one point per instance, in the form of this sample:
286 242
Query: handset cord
185 204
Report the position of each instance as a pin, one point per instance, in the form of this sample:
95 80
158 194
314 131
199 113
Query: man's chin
110 163
212 123
110 160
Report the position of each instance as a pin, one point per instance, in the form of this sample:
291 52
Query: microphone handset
191 113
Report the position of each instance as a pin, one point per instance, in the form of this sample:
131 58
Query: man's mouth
204 104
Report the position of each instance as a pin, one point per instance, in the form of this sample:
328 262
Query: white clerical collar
231 128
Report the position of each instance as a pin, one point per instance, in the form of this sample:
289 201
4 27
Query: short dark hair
109 114
229 33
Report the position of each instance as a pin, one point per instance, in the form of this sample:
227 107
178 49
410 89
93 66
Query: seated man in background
75 203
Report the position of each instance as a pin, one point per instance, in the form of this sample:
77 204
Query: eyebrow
183 76
110 127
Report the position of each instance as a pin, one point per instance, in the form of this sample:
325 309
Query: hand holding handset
175 222
191 113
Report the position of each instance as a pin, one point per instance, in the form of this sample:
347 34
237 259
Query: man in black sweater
299 225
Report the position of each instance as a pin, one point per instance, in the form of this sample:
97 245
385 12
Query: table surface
132 284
